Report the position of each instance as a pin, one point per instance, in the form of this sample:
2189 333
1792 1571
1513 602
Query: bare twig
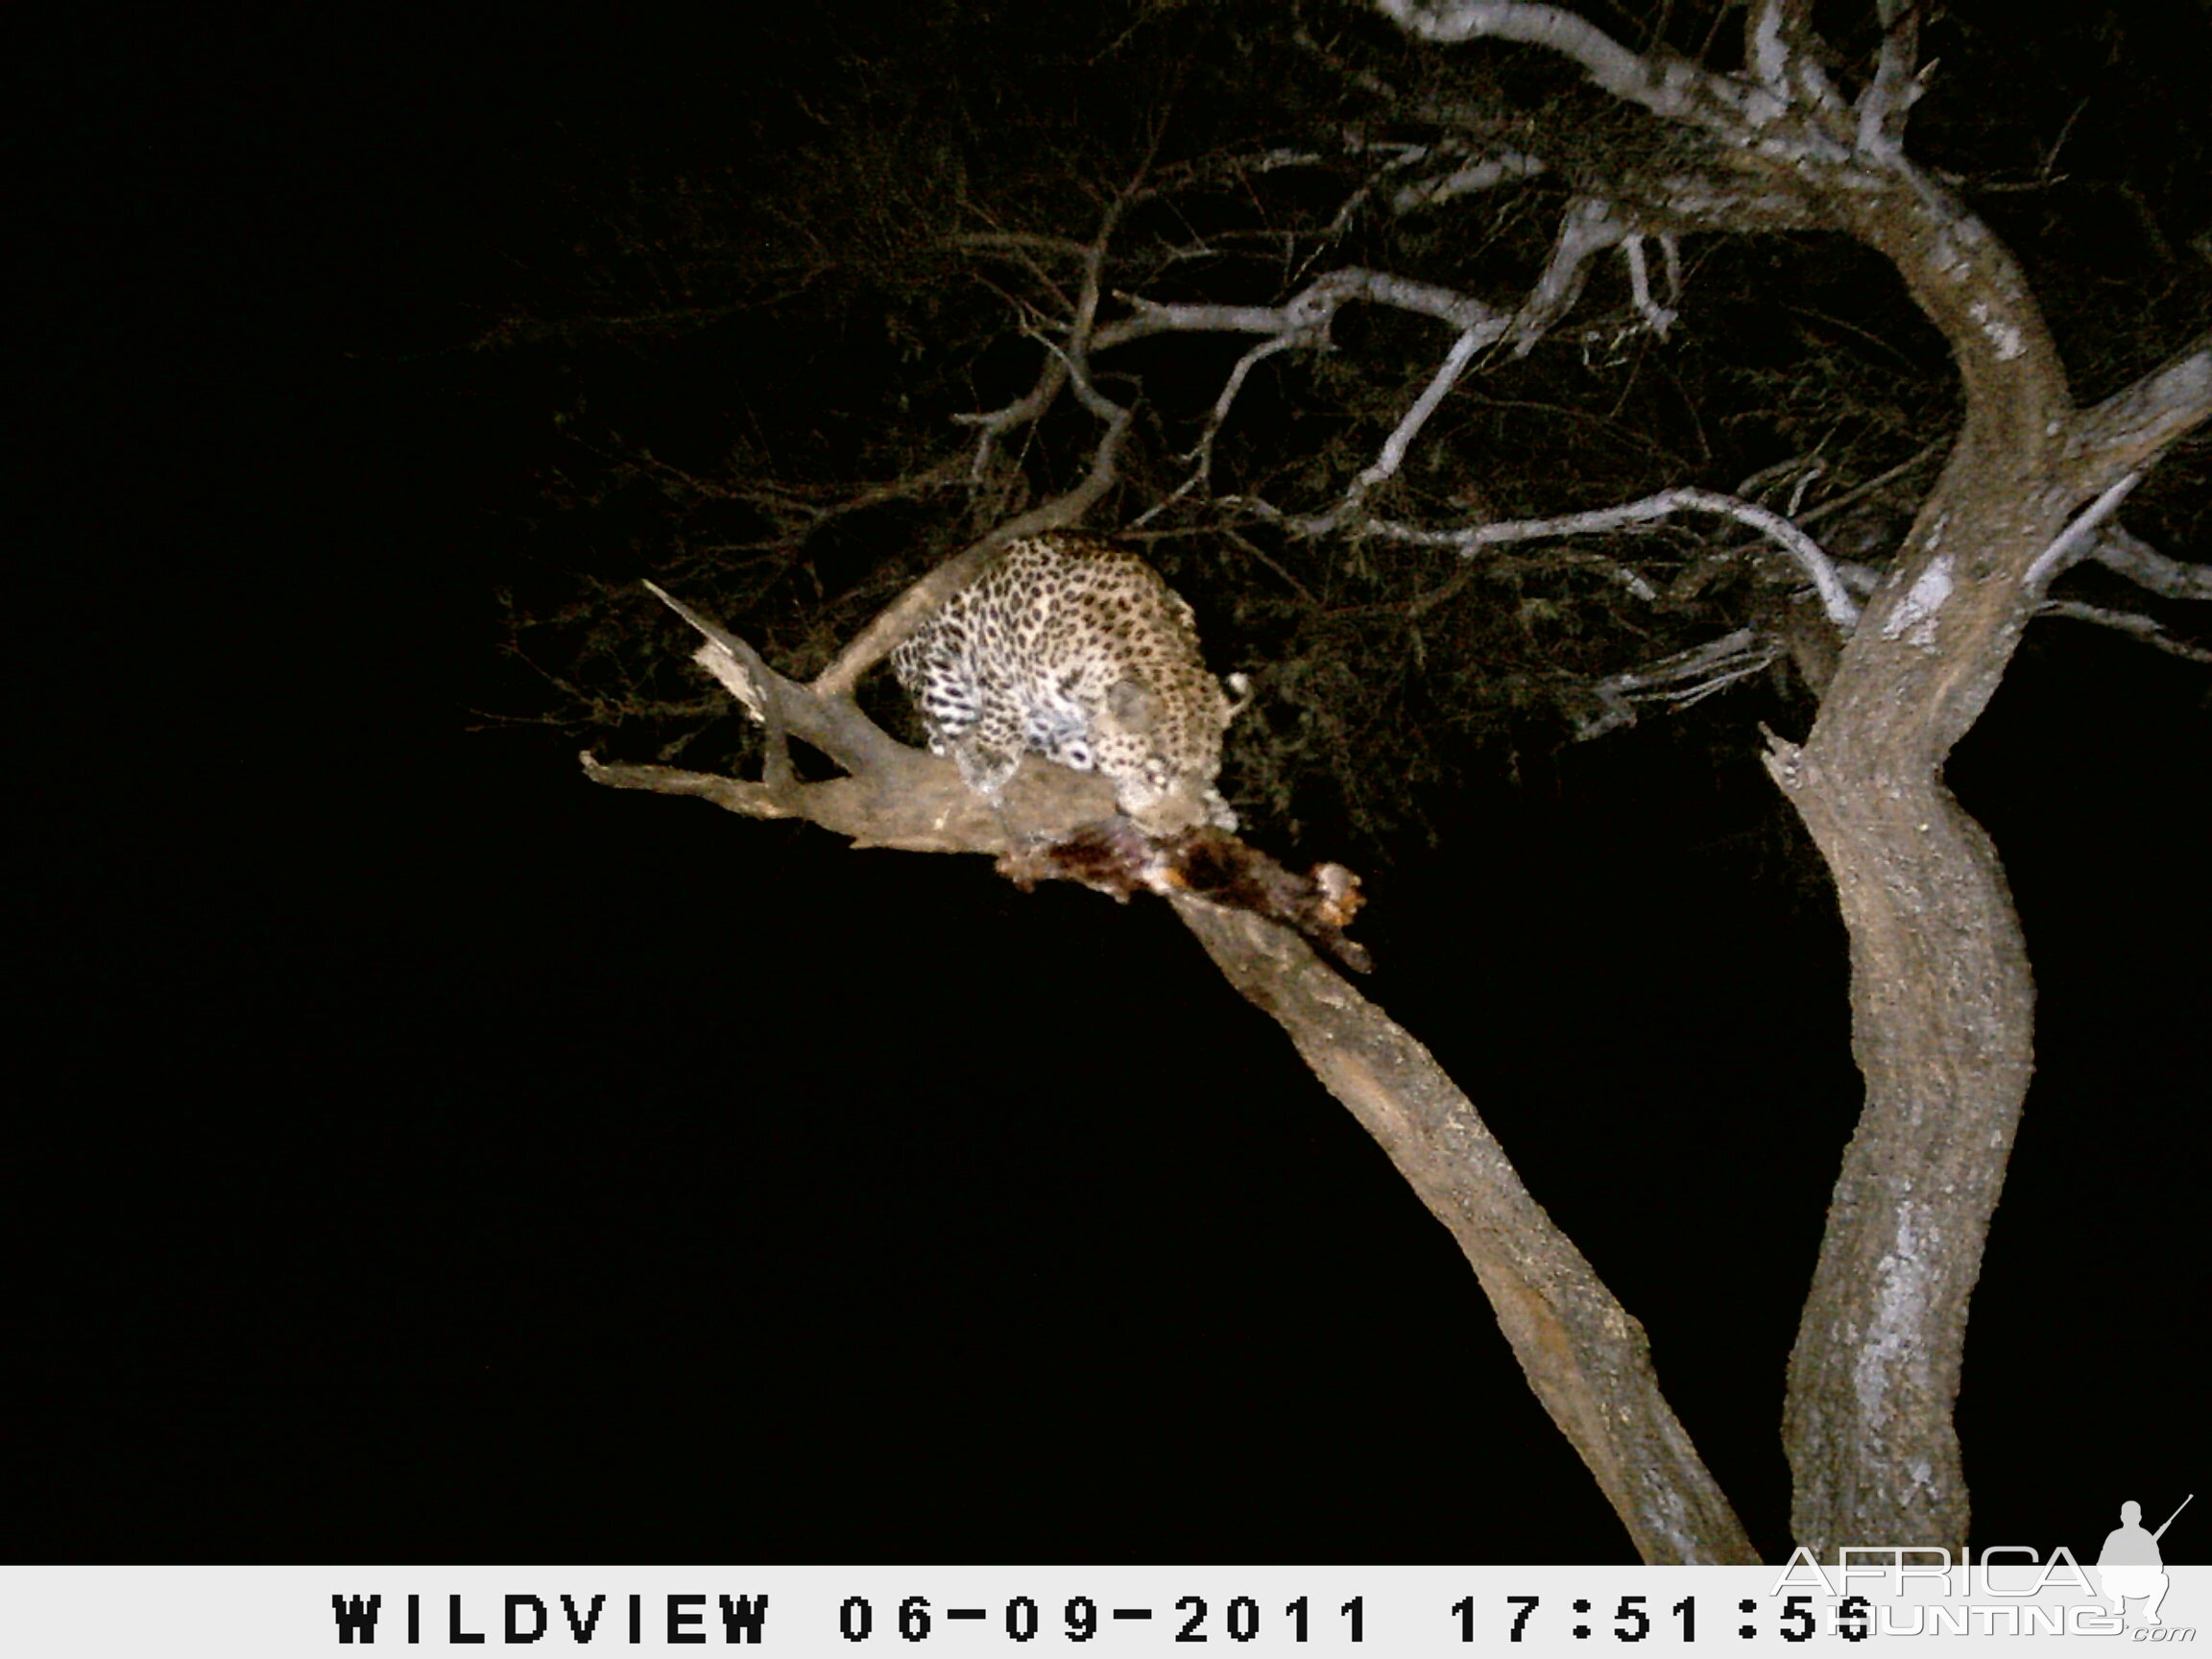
1302 322
1589 226
2143 628
1400 440
1894 88
2079 536
1656 317
1686 678
1498 167
2131 556
1835 597
1858 492
993 425
1067 364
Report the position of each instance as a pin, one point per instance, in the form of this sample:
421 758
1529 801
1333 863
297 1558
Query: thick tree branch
1661 82
832 725
1774 37
1585 1356
2133 426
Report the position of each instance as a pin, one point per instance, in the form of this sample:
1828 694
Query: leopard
1075 648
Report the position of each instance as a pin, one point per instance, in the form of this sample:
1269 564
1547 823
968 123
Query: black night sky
422 1154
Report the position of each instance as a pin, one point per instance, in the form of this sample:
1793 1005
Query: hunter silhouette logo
2129 1565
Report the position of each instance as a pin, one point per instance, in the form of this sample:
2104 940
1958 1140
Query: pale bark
1942 998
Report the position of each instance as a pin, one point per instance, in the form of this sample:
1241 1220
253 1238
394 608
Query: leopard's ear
1133 704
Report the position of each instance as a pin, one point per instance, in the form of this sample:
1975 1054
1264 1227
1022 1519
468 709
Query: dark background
422 1154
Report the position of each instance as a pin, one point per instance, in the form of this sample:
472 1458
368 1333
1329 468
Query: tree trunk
1942 1001
1942 1004
1942 1011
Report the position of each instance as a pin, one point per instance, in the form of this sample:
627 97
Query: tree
1391 146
